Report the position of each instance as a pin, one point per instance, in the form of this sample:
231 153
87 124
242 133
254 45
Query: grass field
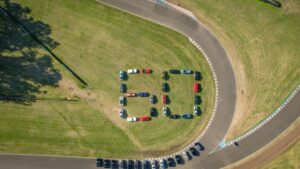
97 42
263 44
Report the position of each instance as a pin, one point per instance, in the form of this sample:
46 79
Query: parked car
144 118
130 94
107 163
196 87
194 151
152 99
99 162
132 119
171 162
165 111
153 112
146 71
132 71
179 159
199 146
164 87
130 164
186 71
123 164
165 75
122 113
143 94
175 71
122 88
153 164
196 110
174 116
114 164
146 164
122 100
197 100
138 164
162 164
165 99
186 156
122 75
187 116
197 75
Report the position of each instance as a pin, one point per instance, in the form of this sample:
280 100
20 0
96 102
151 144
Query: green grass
97 42
263 44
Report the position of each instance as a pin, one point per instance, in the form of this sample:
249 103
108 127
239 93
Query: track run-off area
224 109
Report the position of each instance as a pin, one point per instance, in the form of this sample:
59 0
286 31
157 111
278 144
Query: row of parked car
179 159
123 74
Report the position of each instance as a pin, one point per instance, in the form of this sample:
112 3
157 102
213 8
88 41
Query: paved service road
226 102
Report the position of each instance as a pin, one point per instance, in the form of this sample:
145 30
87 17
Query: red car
164 99
146 71
144 118
130 94
196 87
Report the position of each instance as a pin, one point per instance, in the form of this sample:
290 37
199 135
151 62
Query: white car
196 110
165 111
132 119
132 71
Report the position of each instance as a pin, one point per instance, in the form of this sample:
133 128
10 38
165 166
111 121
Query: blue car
187 116
186 71
122 75
143 94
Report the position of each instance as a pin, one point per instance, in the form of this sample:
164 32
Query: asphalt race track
226 101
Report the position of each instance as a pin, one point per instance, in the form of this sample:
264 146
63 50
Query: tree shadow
24 69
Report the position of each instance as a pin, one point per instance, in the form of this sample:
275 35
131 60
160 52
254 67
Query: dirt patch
74 91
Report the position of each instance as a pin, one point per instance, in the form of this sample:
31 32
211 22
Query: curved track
225 108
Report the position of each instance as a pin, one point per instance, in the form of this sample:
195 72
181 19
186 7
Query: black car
179 159
138 164
171 162
146 164
164 87
175 71
107 163
194 151
174 116
114 164
99 162
130 164
199 146
197 100
123 88
165 75
123 164
153 112
197 75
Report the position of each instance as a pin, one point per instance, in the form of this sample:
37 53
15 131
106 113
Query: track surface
226 102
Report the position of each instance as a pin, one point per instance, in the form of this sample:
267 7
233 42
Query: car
196 110
132 119
186 71
197 100
145 164
143 94
197 75
171 162
144 118
122 100
164 87
199 146
146 71
153 112
114 164
174 71
123 164
179 159
153 164
165 111
194 151
122 113
164 99
165 75
122 75
174 116
162 164
122 88
132 71
107 163
130 94
130 164
138 164
186 156
152 99
196 87
187 116
99 162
